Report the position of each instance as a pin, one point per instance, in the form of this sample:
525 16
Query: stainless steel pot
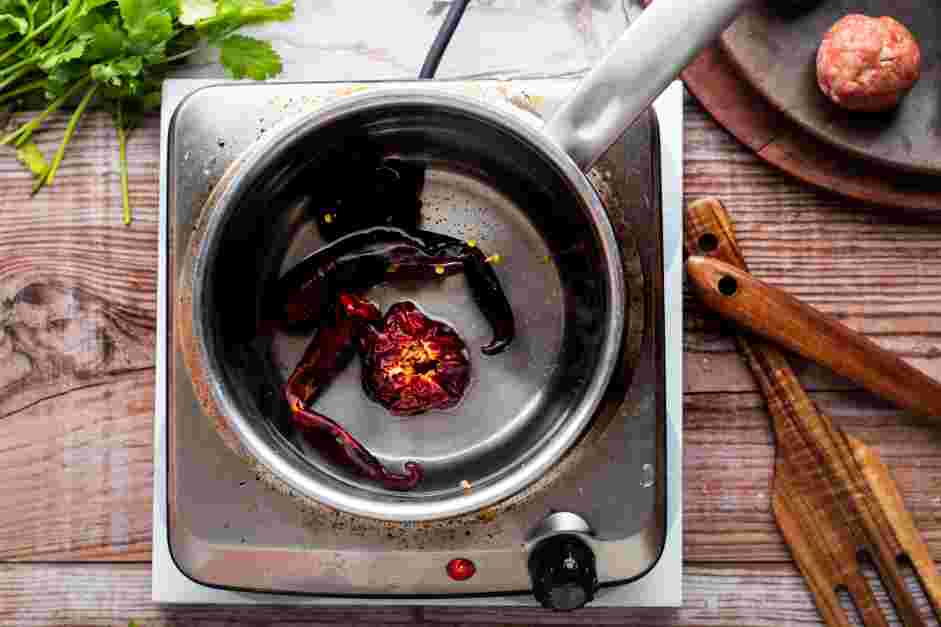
522 191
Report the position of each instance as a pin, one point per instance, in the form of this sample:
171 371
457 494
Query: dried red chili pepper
366 258
326 355
413 363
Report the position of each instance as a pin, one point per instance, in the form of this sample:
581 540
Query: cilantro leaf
244 56
63 77
118 52
94 4
107 42
14 18
233 14
41 9
13 25
192 11
148 22
119 72
28 154
65 54
105 14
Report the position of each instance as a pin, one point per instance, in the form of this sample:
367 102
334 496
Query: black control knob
563 572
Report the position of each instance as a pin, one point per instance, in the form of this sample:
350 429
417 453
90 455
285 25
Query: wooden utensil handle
803 494
778 316
708 230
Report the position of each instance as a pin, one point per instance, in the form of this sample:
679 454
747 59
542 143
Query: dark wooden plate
775 138
775 46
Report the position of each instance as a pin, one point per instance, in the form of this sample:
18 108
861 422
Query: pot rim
251 165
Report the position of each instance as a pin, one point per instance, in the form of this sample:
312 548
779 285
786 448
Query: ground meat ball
867 63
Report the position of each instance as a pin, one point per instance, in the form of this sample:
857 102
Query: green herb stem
17 76
125 191
23 89
118 54
122 160
16 67
57 36
181 55
23 133
30 17
28 38
69 131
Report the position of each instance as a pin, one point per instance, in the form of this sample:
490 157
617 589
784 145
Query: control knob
562 569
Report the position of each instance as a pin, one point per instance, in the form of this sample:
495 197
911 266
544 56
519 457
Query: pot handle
648 56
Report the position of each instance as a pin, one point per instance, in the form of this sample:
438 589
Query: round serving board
775 138
774 46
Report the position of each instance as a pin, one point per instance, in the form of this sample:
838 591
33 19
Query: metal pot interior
484 182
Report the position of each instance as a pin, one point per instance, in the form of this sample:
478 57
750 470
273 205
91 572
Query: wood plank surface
832 498
114 594
77 324
97 594
77 473
77 288
728 466
77 310
877 270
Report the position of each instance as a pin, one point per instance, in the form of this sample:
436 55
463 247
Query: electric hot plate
221 534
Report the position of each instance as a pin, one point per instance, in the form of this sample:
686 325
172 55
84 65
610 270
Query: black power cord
451 20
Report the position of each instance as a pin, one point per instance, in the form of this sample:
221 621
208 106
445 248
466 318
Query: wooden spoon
778 316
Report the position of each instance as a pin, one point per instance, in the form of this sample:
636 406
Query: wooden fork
832 497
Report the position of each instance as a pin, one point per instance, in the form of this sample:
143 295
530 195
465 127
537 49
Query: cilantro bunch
115 53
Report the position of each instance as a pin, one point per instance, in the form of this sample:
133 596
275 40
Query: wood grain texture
876 270
824 489
93 595
65 495
728 459
77 288
779 317
912 547
113 594
77 474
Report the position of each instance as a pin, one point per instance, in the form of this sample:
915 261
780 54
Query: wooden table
77 332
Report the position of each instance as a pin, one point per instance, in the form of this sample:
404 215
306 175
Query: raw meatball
867 63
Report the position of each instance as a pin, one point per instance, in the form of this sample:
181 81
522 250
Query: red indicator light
460 569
